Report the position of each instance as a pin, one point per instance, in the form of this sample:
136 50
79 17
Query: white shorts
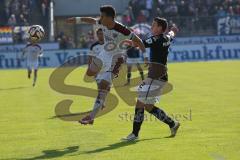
133 60
108 62
107 76
32 65
149 91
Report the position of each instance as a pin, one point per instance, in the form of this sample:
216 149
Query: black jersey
133 52
159 46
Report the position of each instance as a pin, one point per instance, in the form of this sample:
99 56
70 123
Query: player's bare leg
29 73
129 74
140 70
35 77
103 89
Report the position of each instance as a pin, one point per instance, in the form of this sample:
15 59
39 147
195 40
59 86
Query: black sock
138 119
142 76
129 77
162 116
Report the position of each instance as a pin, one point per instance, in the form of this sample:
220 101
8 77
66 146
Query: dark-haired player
150 89
116 41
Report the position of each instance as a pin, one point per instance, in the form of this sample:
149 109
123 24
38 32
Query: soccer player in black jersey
150 89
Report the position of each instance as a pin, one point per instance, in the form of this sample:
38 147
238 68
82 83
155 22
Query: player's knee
91 73
104 85
149 107
140 104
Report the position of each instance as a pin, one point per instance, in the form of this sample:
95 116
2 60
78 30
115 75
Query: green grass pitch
205 99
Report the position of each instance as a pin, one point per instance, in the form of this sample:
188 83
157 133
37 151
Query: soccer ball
36 33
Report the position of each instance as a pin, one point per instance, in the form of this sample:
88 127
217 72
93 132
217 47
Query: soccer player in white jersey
117 39
32 52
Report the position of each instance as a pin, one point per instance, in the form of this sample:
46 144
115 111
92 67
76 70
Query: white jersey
32 52
95 49
114 38
113 49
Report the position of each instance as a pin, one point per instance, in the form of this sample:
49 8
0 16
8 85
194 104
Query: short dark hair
108 10
161 22
99 30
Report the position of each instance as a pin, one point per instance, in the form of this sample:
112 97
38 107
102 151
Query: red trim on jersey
122 29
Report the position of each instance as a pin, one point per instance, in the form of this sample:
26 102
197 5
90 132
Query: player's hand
174 28
71 20
146 61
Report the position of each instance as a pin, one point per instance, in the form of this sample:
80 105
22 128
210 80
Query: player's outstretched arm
138 42
80 20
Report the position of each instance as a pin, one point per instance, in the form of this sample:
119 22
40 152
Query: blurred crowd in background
22 12
189 14
195 16
144 10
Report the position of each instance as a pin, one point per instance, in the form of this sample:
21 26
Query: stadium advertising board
51 58
206 40
204 52
19 47
178 53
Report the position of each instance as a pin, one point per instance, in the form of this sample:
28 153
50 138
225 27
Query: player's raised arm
80 20
172 33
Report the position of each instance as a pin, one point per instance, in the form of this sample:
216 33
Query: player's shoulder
160 38
28 45
155 39
122 28
33 45
94 45
38 46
